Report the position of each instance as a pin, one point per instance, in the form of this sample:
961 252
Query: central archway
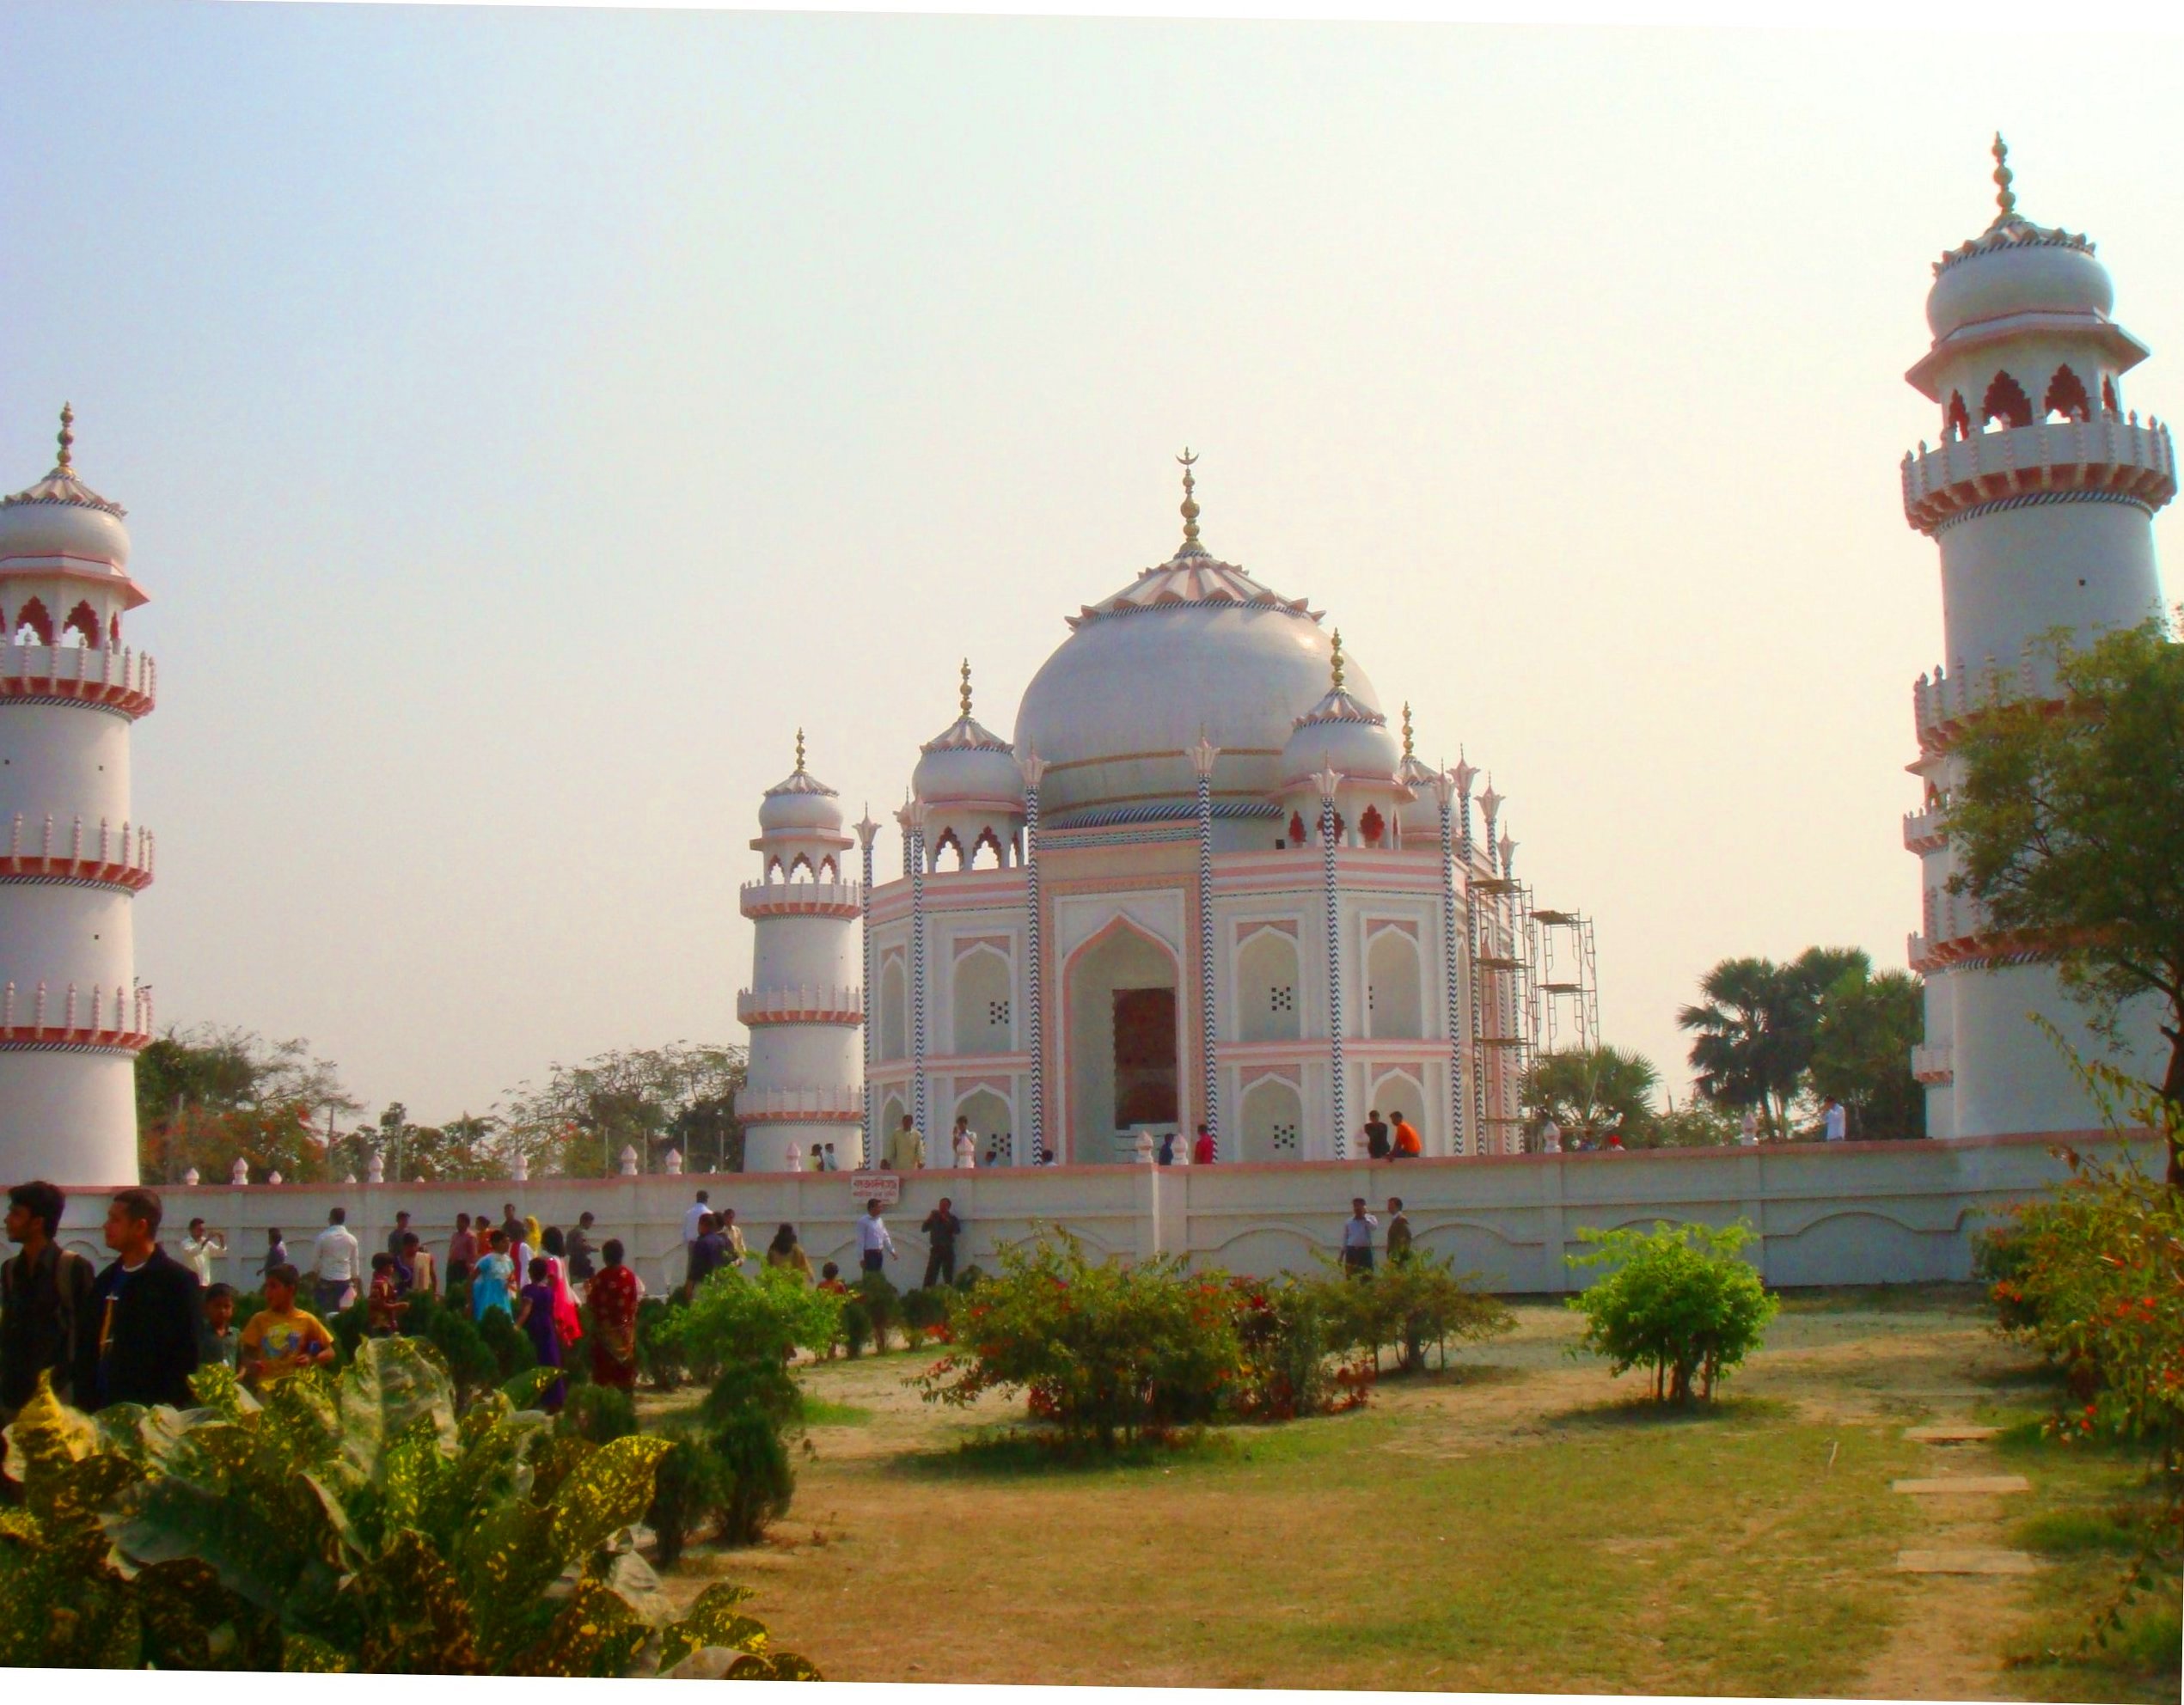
1124 1031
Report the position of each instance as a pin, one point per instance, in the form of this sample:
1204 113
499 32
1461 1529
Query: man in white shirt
198 1248
696 1211
334 1258
874 1246
965 1144
1837 1119
1357 1238
1748 1130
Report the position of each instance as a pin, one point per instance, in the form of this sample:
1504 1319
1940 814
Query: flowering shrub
1107 1351
1680 1300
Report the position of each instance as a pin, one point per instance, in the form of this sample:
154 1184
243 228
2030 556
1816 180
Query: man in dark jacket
139 1345
44 1299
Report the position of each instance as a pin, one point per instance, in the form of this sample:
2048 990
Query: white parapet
2103 454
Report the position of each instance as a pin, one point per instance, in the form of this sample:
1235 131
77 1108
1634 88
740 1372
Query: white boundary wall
1846 1214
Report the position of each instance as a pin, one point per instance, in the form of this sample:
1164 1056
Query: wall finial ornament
1335 659
67 438
2005 197
965 693
1407 748
1190 503
799 751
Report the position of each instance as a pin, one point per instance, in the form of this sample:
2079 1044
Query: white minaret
2042 496
71 1016
803 1006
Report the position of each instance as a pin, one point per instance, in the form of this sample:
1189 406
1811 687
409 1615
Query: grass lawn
1520 1522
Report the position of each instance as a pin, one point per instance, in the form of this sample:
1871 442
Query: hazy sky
528 418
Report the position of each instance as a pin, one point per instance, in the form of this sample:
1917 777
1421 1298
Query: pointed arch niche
983 1014
1273 1124
1394 995
1267 984
1122 1023
894 1011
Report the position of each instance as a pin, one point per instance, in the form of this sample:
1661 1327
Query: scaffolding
1505 1000
1565 981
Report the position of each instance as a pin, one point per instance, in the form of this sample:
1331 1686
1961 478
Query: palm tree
1594 1091
1754 1034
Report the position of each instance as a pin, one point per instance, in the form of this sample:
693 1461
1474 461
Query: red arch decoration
2006 401
33 616
1372 826
2066 397
1956 420
83 621
2108 397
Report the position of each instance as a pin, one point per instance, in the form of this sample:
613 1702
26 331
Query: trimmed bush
1679 1299
883 1303
856 1330
601 1414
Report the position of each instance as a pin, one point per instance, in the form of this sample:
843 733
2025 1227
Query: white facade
2041 497
805 1003
72 857
1204 882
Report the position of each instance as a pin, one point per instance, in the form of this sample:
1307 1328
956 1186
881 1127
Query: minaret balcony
1942 703
1934 1063
123 680
1922 831
48 851
2102 455
801 899
800 1005
841 1104
42 1014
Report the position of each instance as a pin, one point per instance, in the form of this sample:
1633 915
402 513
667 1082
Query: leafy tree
1862 1052
1680 1300
1590 1092
469 1147
1696 1124
2069 828
579 1123
1753 1034
208 1095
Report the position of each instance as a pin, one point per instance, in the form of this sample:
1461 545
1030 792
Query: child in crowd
217 1340
831 1280
281 1338
534 1314
384 1303
491 1284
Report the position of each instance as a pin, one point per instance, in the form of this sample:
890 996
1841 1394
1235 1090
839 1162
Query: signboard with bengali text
885 1188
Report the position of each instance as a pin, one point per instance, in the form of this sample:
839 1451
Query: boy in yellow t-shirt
281 1338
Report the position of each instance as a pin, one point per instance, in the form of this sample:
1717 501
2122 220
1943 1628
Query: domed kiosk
1203 885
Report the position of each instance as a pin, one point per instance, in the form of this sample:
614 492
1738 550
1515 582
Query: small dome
803 802
1343 732
2015 266
61 517
1418 817
968 764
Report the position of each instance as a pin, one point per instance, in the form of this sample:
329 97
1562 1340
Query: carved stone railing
2102 455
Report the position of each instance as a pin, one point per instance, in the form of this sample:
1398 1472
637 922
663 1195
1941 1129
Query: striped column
1035 993
1445 796
1202 757
917 975
1328 781
1464 775
866 829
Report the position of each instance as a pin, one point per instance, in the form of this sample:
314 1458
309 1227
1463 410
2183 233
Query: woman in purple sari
534 1314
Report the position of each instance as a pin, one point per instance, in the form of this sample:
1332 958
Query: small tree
1594 1091
1677 1299
2067 829
1861 1052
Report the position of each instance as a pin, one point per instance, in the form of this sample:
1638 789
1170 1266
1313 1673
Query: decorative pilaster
1035 993
1464 775
1201 758
917 972
1445 796
1328 780
869 1138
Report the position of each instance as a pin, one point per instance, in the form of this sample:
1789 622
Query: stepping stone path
1950 1435
1962 1560
1965 1563
1966 1485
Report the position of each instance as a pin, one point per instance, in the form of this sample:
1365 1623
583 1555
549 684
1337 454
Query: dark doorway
1145 1057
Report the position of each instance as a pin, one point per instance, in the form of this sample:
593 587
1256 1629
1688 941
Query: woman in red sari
614 1295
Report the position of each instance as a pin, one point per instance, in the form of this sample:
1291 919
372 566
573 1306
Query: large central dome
1194 646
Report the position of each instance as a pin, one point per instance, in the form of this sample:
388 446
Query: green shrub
968 1275
925 1311
856 1330
348 1522
1287 1330
1106 1351
659 1343
601 1414
1428 1302
1678 1300
691 1489
752 1446
736 1318
508 1344
883 1303
470 1360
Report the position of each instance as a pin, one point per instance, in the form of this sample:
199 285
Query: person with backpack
44 1299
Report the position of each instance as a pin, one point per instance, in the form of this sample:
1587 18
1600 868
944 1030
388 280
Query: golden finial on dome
966 689
1336 659
799 751
1190 503
67 436
2005 197
1407 751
